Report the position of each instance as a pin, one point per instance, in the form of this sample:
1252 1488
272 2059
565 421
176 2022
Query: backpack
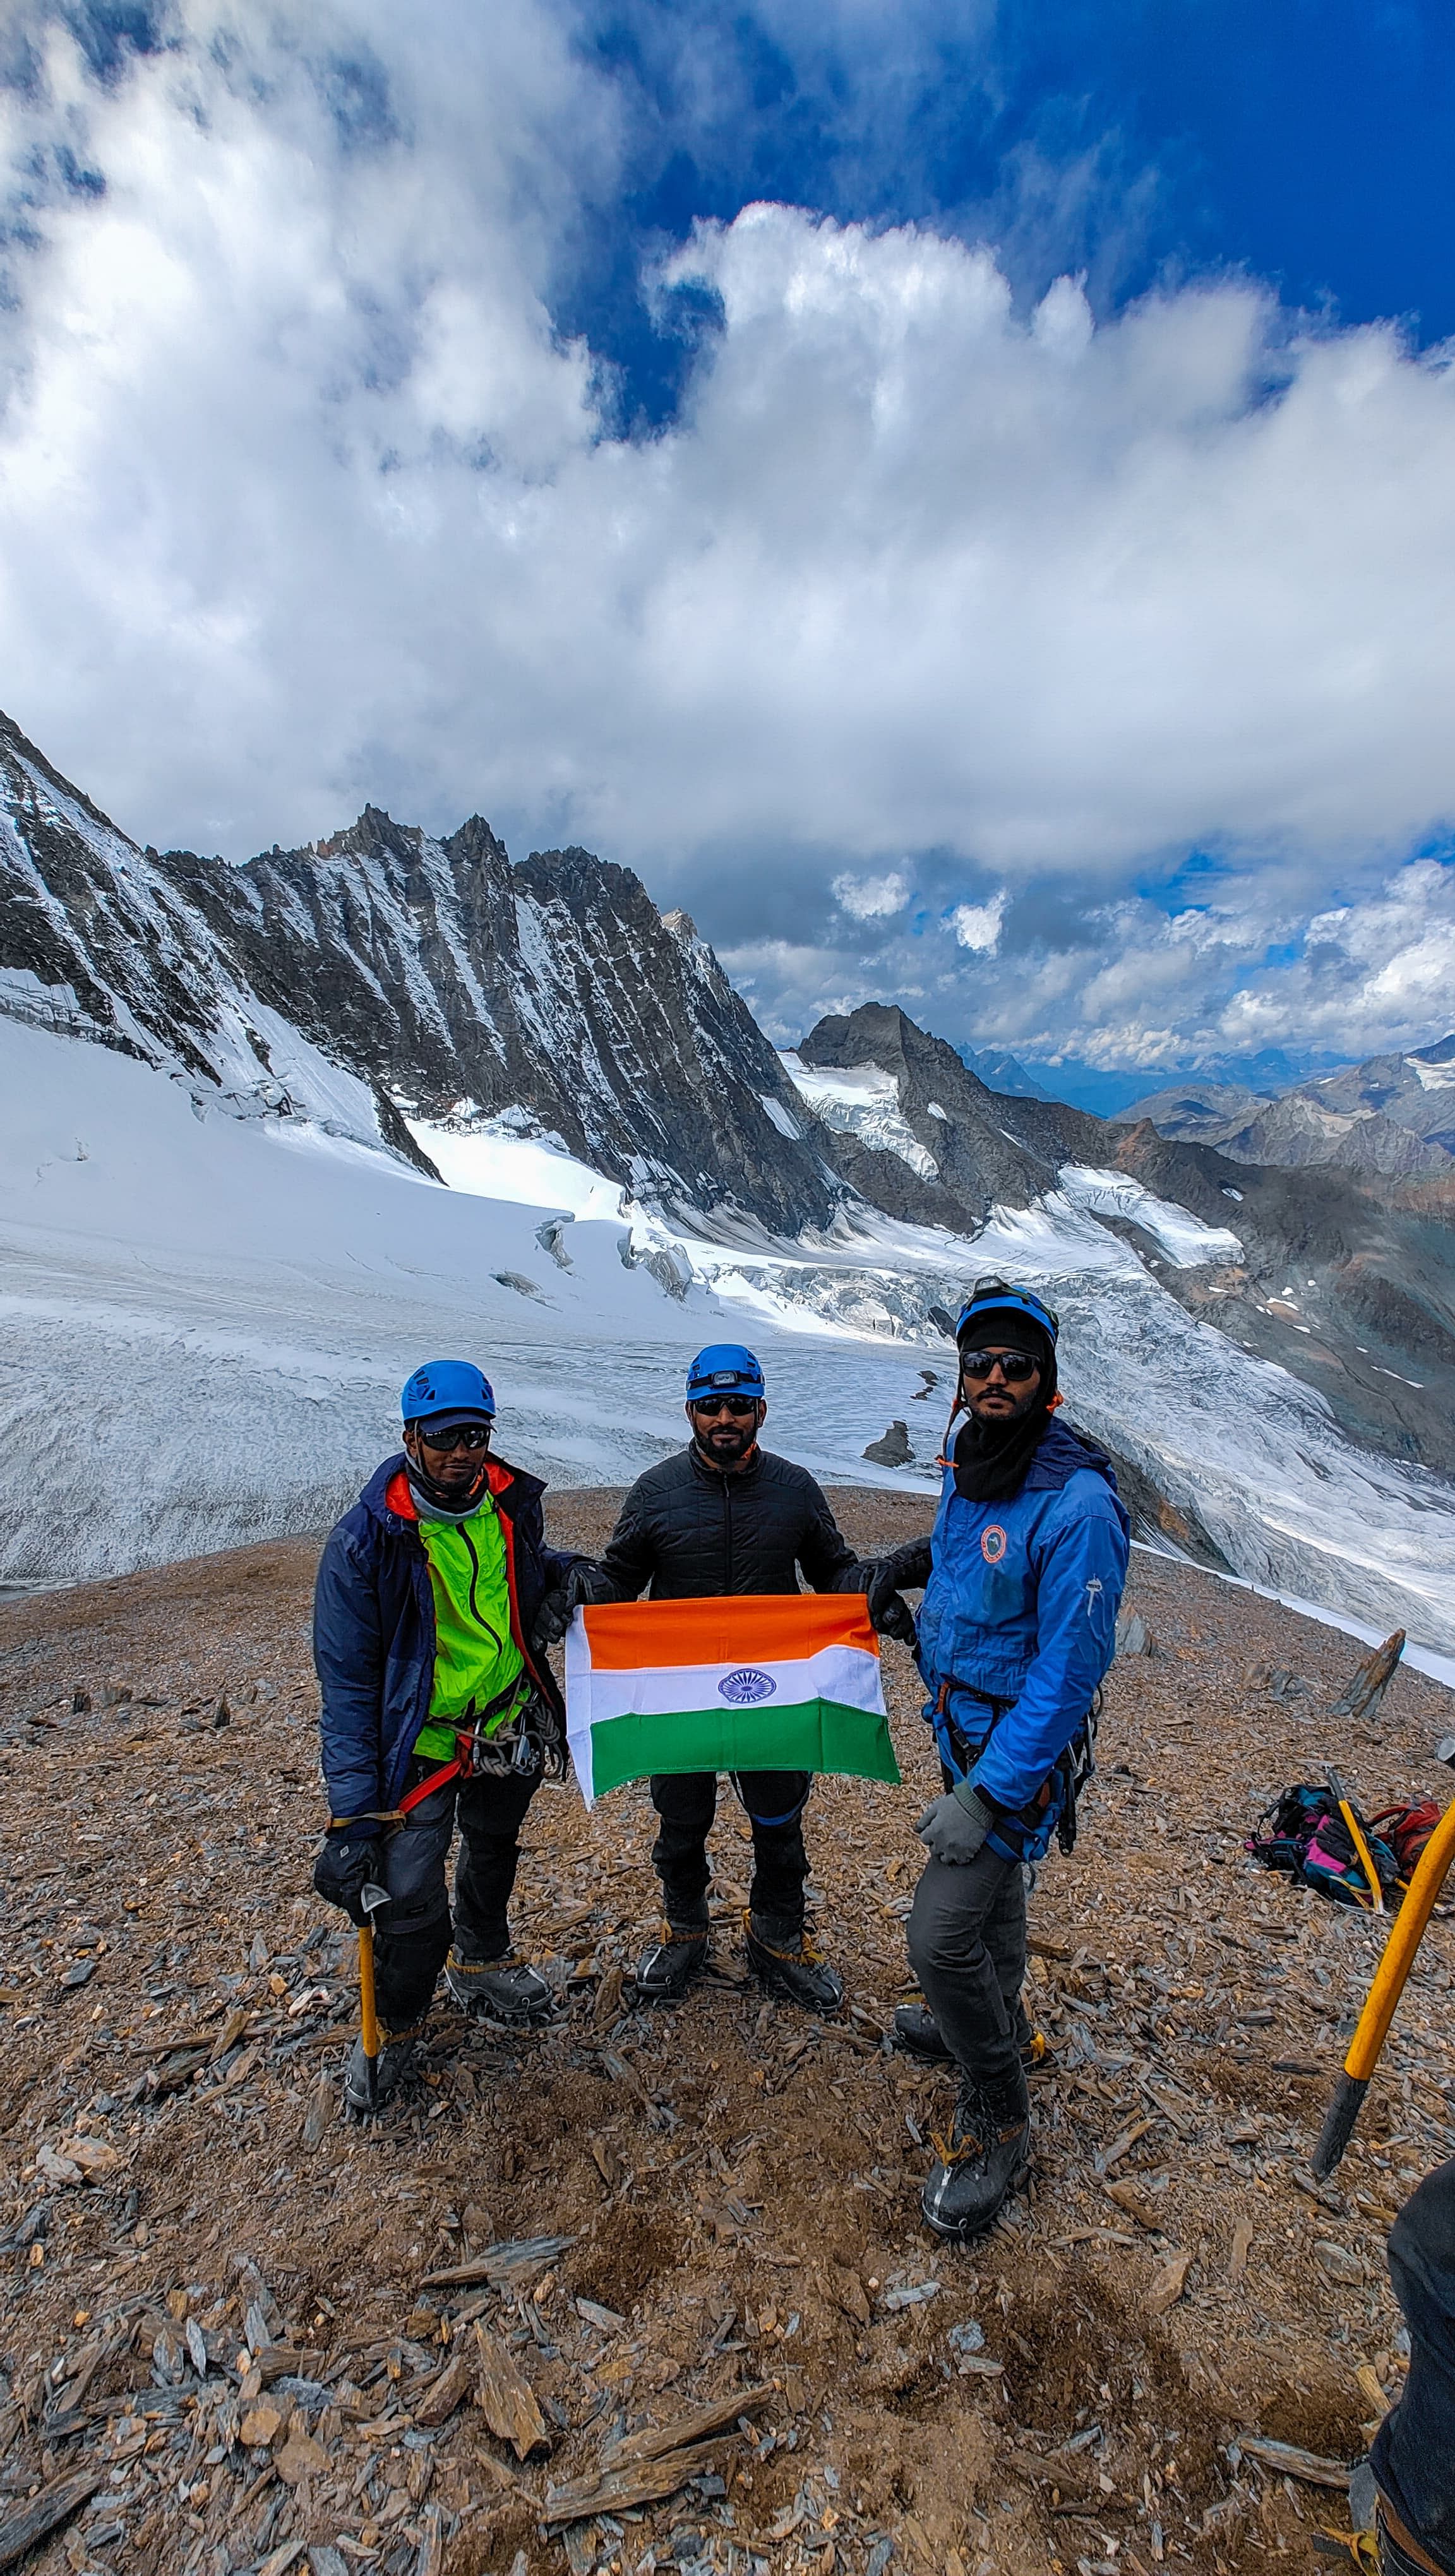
1332 1863
1293 1818
1408 1829
1310 1840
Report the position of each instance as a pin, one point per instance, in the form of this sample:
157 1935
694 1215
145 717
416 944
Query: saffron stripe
754 1627
840 1673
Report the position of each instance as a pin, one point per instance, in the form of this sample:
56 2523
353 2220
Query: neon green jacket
476 1658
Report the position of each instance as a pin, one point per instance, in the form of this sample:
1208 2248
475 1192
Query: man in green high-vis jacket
436 1599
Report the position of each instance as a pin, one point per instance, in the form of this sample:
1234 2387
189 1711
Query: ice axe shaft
1404 1940
371 1898
1360 1842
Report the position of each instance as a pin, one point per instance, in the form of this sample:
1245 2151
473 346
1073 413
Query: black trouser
413 1931
967 1946
1413 2457
686 1802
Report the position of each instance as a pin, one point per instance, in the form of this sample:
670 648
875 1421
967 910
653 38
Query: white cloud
303 499
977 925
872 898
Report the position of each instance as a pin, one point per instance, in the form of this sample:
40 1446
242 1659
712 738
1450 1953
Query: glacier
207 1319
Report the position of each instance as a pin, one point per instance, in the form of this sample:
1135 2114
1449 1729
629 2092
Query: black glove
582 1582
890 1615
587 1588
552 1619
348 1860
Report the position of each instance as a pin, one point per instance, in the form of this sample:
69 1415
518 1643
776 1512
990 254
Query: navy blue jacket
1021 1608
374 1633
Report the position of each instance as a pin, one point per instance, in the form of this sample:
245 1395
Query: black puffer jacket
689 1531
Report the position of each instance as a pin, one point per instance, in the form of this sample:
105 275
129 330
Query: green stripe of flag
817 1735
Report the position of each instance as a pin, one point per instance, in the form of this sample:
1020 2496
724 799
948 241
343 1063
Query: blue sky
1308 144
962 496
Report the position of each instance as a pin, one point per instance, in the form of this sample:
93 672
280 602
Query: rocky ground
238 2334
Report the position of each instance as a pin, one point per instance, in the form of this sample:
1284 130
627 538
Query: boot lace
807 1954
972 2135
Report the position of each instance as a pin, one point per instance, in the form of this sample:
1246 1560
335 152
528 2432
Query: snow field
207 1320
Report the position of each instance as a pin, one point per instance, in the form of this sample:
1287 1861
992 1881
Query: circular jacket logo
993 1543
746 1686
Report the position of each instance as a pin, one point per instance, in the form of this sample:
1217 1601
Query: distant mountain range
1391 1117
1002 1072
393 989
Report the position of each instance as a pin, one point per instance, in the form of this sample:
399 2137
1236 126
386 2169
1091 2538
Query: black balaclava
438 1502
991 1459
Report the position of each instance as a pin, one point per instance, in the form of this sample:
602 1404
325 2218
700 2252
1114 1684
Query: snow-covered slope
97 942
206 1322
1348 1288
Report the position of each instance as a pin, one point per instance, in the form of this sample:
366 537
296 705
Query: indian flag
763 1681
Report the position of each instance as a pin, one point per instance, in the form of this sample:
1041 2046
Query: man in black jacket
725 1516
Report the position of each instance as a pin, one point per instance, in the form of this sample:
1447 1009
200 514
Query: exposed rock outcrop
441 979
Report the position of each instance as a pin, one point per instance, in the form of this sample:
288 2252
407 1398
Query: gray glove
953 1828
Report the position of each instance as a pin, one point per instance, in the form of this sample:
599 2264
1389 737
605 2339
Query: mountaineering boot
781 1954
668 1966
917 2032
503 1991
393 2067
982 2159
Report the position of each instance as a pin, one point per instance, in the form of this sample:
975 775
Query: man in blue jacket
436 1598
1023 1572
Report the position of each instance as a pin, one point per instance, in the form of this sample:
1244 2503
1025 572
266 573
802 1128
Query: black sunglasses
739 1406
460 1435
1014 1366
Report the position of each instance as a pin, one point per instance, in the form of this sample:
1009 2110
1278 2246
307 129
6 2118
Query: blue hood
1062 1450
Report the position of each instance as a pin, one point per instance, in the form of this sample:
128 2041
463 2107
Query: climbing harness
530 1743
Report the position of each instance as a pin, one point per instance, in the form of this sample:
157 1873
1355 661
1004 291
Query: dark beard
992 1459
725 1464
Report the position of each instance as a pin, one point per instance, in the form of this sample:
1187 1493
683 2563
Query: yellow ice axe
371 1897
1361 1846
1384 1993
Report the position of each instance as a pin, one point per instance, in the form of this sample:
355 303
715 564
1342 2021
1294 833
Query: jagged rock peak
446 982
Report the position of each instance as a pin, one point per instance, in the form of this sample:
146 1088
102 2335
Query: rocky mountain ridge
1001 1071
1391 1117
435 976
1346 1286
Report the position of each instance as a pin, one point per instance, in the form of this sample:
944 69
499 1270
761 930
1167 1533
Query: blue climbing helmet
724 1368
455 1388
990 1298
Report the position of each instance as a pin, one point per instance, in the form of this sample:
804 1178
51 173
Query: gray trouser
413 1931
967 1946
1419 2432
